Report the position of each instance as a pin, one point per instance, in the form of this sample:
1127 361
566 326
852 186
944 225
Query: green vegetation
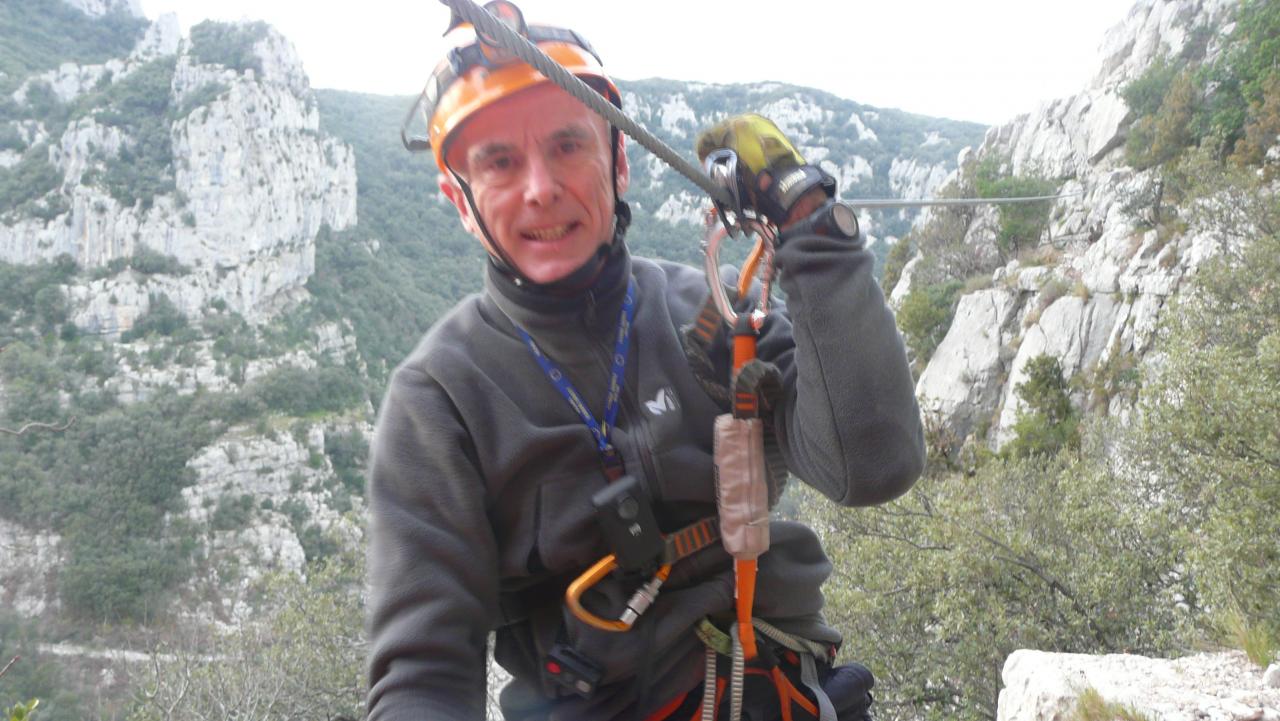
20 286
139 106
22 711
228 44
1230 105
925 317
1212 410
105 481
42 34
1091 706
303 658
162 318
1021 224
28 181
424 261
33 675
1052 544
1257 640
1047 423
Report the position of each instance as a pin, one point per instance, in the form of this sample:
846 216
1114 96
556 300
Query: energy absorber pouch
742 491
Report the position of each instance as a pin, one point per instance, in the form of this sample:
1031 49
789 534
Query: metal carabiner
639 603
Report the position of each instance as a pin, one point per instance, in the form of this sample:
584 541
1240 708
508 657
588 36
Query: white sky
981 60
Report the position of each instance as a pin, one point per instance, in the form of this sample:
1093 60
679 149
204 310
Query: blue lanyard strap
609 455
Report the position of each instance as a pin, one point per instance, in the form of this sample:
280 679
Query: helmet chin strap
581 278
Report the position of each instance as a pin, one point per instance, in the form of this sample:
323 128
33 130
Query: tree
1210 411
1048 422
935 590
301 659
30 426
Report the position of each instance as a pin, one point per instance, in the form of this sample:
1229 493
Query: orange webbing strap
744 572
662 713
789 694
691 539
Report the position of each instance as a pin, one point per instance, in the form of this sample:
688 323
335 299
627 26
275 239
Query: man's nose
541 185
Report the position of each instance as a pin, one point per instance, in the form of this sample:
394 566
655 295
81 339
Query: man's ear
623 169
449 186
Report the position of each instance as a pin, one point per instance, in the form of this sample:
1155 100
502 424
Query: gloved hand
772 173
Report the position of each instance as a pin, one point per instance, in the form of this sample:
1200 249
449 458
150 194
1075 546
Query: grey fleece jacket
481 477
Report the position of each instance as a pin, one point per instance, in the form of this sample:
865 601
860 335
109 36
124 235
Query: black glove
773 174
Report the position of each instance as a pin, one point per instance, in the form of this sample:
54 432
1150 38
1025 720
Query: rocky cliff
250 182
1093 291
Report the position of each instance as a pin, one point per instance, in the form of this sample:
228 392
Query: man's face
538 166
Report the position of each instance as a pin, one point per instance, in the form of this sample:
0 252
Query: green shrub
1091 706
1209 410
348 452
1049 553
1145 94
925 317
232 513
42 34
899 255
1021 224
162 318
1047 423
139 105
152 262
228 44
28 181
300 392
198 98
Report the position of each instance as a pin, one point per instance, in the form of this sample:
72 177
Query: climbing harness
749 469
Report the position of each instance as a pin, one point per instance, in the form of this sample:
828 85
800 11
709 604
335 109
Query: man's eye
568 147
500 163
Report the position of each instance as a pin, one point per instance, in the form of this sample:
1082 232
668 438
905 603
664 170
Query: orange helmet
476 74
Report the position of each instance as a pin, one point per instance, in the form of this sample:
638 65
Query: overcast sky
982 60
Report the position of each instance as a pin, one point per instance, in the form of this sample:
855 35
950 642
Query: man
483 466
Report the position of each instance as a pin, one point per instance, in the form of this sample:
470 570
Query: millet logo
661 403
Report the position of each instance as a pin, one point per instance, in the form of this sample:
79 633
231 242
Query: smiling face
539 171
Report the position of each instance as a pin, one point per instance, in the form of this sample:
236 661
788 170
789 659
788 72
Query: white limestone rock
864 133
683 207
913 180
961 384
284 483
903 287
677 117
197 369
254 179
1040 686
848 174
1072 329
98 8
793 115
161 39
29 562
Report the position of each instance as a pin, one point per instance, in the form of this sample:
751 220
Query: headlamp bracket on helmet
484 52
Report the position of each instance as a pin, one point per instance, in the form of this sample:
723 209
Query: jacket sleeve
848 423
432 560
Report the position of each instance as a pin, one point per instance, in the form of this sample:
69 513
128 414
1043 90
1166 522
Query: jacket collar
593 310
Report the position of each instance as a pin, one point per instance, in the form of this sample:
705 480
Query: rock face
253 183
1103 275
258 495
1041 686
839 135
29 560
